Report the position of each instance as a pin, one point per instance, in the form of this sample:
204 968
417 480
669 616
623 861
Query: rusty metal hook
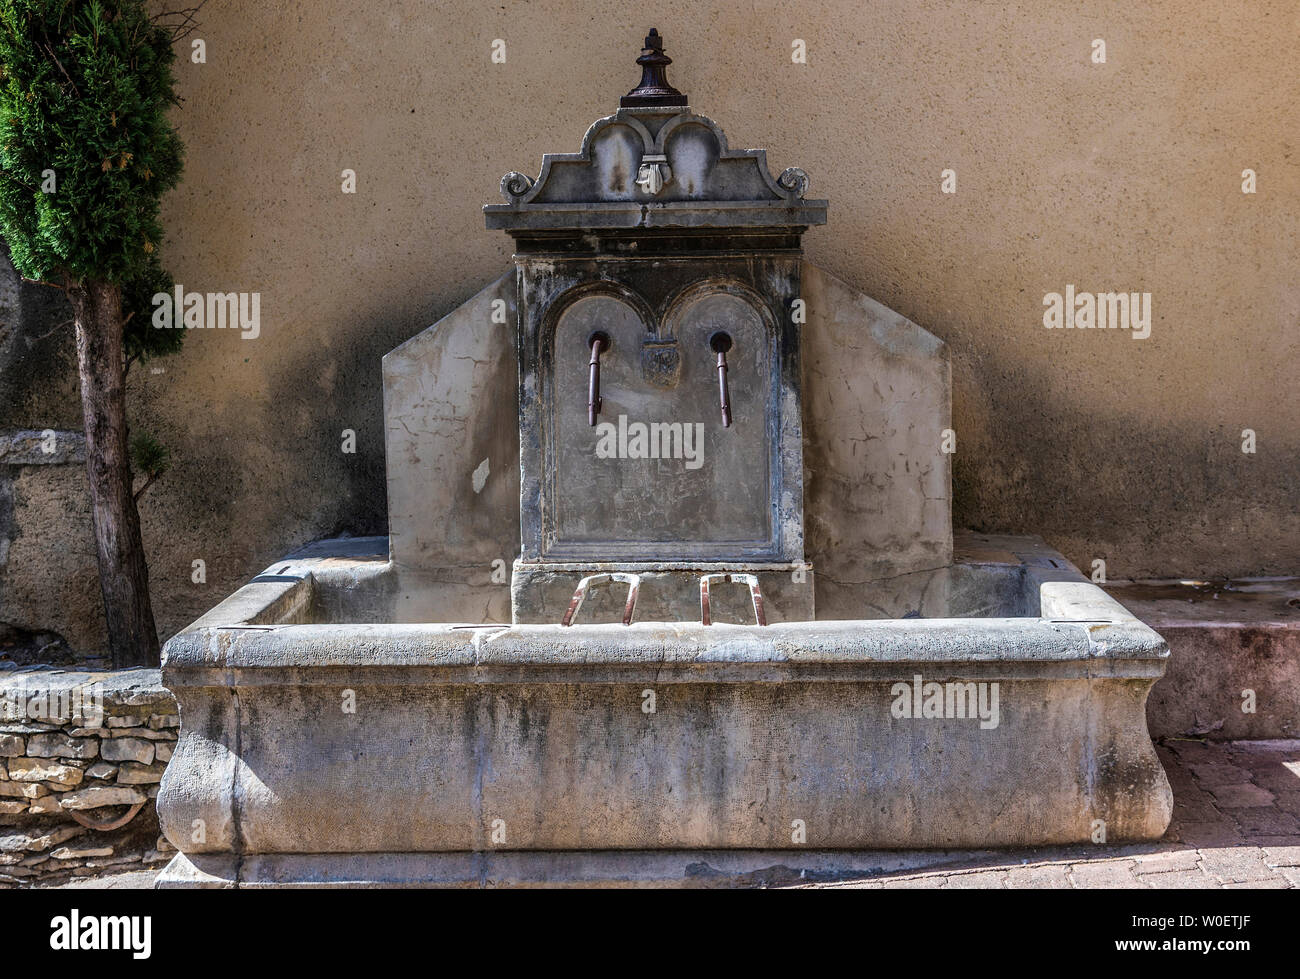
632 581
755 595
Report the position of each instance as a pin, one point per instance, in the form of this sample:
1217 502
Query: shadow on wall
251 482
223 510
1161 489
226 503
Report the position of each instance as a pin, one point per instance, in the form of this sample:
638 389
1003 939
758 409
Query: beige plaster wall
1122 176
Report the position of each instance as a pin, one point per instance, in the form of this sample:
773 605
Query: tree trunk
123 575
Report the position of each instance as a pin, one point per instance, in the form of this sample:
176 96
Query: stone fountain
670 592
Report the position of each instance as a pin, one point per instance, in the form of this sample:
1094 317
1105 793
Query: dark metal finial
654 88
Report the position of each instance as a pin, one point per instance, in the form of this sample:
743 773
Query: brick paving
1236 824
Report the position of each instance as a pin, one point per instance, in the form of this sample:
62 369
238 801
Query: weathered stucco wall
1122 176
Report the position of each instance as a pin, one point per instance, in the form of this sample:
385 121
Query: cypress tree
86 153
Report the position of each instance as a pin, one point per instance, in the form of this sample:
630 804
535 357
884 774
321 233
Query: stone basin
318 750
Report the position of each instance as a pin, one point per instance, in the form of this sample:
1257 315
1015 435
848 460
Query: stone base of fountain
518 868
317 752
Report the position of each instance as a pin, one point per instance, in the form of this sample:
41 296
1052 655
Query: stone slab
628 868
1234 669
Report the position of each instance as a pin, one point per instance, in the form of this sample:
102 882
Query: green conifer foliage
86 153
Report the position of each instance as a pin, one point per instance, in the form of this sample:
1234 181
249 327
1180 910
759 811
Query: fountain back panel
410 709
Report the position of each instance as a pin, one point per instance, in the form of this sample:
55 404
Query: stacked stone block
81 757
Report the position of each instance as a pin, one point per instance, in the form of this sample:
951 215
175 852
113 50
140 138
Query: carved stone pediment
654 165
645 168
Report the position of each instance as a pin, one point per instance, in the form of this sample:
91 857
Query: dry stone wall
81 756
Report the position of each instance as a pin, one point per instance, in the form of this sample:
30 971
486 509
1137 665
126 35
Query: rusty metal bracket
632 581
108 824
755 594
